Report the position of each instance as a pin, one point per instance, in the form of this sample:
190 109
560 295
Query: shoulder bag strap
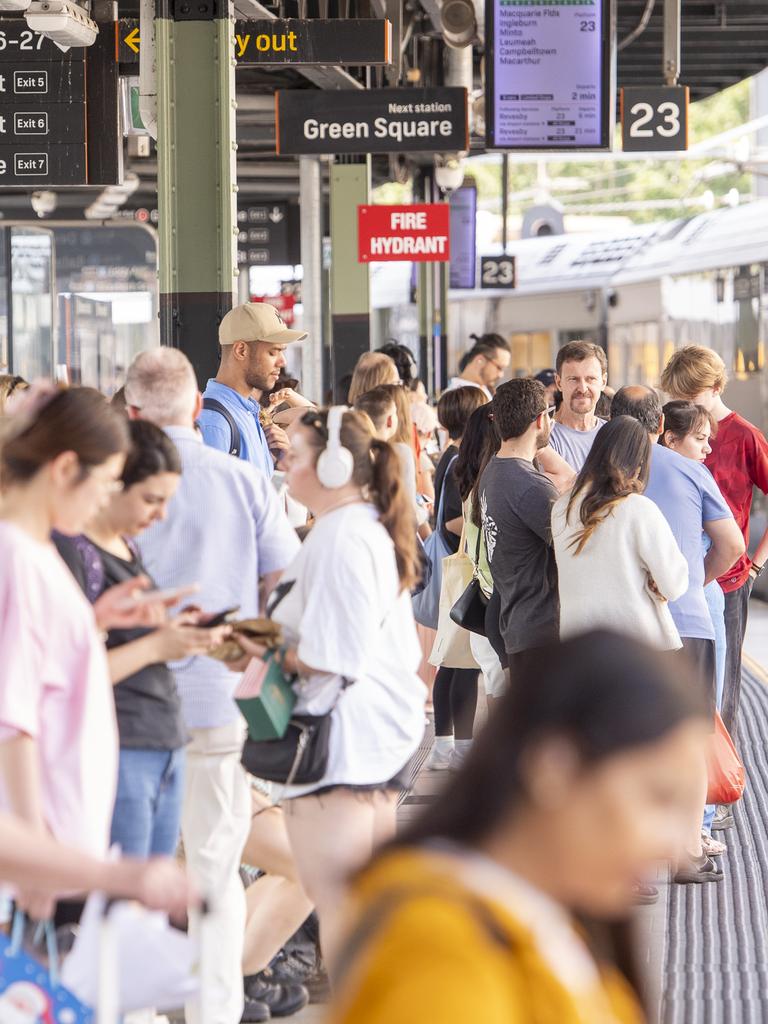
214 405
441 503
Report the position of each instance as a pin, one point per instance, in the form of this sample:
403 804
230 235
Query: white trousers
494 676
215 823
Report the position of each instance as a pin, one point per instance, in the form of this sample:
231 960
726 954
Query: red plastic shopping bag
727 778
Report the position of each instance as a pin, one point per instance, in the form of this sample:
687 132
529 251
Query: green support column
350 187
196 174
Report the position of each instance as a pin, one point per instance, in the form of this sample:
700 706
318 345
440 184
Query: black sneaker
254 1012
283 998
291 966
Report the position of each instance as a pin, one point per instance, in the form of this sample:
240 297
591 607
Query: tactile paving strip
716 969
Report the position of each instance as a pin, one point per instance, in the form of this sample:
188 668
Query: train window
531 352
31 335
748 348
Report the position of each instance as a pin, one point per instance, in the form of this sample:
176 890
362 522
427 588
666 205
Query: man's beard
542 438
258 381
582 398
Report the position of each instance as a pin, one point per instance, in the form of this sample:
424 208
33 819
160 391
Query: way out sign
418 233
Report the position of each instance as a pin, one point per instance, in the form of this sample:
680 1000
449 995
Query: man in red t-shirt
738 462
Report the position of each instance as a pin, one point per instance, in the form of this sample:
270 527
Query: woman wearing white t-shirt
345 608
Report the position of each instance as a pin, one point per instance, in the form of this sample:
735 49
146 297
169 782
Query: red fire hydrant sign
417 233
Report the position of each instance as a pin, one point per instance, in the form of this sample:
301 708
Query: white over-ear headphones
336 464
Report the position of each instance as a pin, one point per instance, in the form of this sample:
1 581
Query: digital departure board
550 81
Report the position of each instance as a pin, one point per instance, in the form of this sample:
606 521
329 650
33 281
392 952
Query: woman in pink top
61 456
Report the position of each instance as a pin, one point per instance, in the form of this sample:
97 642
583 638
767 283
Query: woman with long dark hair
455 691
617 559
579 784
480 443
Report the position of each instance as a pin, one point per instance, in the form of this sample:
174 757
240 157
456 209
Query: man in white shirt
225 530
484 365
581 376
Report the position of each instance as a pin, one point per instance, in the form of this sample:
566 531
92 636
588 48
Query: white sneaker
459 755
439 756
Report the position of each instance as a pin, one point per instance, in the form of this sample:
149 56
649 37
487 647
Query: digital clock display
550 82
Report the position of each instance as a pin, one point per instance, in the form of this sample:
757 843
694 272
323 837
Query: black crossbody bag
298 757
469 610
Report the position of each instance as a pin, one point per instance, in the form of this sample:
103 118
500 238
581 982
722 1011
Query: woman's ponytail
394 508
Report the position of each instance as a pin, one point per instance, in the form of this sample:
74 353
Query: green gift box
266 699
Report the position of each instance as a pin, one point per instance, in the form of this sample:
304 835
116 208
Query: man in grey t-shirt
582 373
516 503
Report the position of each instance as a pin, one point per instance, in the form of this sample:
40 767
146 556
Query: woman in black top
455 692
152 734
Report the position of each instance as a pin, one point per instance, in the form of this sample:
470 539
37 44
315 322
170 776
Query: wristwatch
756 569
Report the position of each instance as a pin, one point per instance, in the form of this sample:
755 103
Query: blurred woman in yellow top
581 781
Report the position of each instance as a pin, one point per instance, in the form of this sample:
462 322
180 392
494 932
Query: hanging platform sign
654 118
416 233
371 121
274 42
549 74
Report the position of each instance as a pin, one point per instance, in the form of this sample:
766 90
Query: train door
26 302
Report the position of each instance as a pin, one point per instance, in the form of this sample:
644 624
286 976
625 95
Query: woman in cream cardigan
617 560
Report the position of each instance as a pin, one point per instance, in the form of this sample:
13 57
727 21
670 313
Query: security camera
44 203
14 5
449 172
64 23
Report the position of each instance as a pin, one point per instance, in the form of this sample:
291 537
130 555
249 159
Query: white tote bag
451 648
155 965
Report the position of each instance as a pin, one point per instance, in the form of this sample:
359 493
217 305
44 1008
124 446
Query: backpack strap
214 405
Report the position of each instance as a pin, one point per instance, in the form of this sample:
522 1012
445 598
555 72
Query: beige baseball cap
256 321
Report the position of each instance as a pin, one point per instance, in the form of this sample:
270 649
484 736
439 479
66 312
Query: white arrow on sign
276 215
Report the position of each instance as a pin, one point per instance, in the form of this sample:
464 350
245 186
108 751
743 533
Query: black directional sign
53 82
654 118
375 121
268 43
42 110
41 164
19 43
268 235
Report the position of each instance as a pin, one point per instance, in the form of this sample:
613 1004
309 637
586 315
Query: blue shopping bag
30 992
426 601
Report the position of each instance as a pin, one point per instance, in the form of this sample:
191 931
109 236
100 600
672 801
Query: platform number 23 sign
654 118
498 272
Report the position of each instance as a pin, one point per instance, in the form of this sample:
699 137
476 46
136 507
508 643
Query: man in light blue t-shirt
691 502
253 339
581 375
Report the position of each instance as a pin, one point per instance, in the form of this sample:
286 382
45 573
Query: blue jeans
147 816
716 604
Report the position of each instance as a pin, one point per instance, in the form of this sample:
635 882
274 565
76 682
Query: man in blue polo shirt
691 502
253 339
